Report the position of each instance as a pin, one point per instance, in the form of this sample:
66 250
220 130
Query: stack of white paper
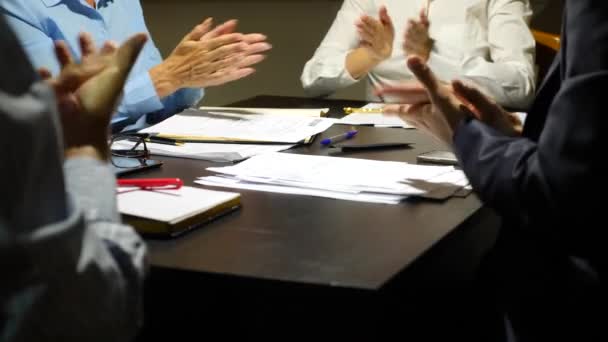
311 112
340 178
206 151
373 119
193 124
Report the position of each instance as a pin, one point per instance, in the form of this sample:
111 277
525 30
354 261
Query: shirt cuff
139 98
92 184
325 74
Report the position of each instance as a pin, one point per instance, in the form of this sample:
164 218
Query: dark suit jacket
17 77
548 187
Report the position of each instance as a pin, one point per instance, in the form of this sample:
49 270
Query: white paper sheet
251 127
204 151
359 197
346 175
306 112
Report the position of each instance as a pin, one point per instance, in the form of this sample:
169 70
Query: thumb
99 97
424 19
483 104
424 74
129 51
385 19
45 74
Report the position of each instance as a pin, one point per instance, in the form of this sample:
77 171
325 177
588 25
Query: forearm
544 183
85 288
359 62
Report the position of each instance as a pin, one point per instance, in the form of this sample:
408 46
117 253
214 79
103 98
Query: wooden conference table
328 263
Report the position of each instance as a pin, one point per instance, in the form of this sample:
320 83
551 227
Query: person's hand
417 41
445 105
487 110
377 36
209 56
441 115
483 107
87 92
410 91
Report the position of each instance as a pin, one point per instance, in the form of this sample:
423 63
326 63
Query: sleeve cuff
175 103
92 184
324 75
139 98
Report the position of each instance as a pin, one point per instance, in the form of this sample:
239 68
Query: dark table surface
309 240
297 268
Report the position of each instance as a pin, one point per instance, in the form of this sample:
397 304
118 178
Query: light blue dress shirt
38 23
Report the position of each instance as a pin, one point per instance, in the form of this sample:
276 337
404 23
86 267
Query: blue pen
338 138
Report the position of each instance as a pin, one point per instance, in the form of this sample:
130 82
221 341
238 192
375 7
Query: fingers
109 48
99 97
63 53
258 48
424 19
224 51
372 24
226 28
45 74
230 75
199 30
366 31
250 60
407 92
223 40
385 19
129 51
410 114
252 38
424 74
414 28
475 97
366 36
395 109
87 46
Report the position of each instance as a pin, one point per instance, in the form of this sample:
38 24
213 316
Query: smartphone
438 157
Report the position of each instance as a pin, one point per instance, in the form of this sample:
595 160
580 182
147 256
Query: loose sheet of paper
358 197
344 178
205 151
309 112
252 127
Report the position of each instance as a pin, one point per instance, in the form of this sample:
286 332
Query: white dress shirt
484 41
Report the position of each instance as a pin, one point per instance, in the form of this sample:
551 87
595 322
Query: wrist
87 139
98 152
377 58
428 49
163 79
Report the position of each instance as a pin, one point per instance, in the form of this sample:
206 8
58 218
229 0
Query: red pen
152 183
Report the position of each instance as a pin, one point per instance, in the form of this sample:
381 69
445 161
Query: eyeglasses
129 145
